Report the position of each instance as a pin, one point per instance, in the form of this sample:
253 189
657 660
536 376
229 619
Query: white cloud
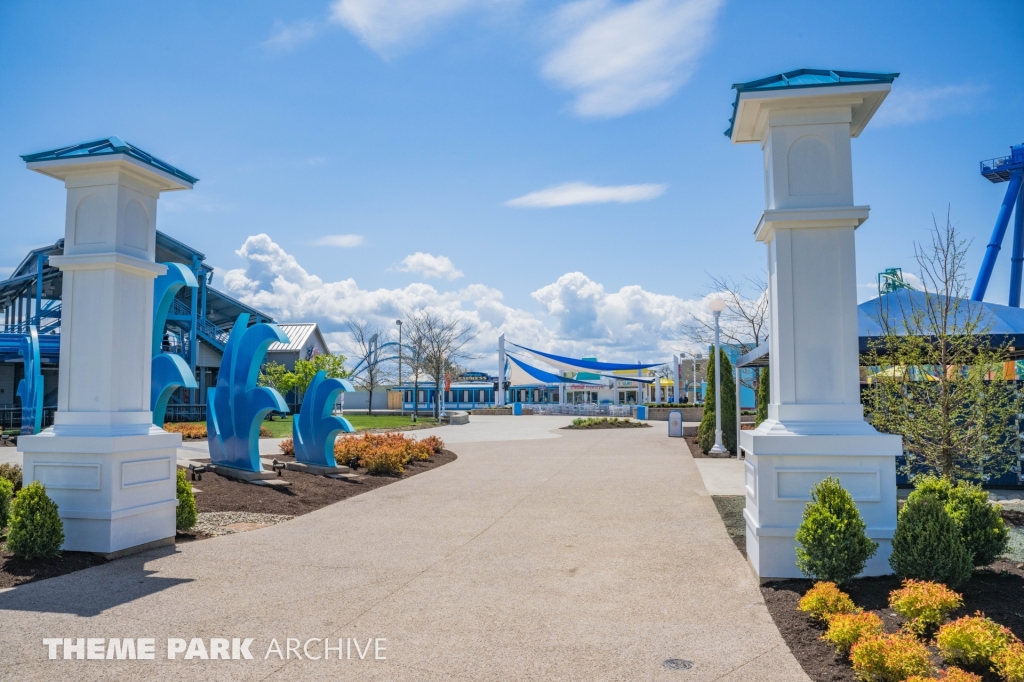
430 266
621 58
389 26
626 325
574 193
913 105
287 37
343 241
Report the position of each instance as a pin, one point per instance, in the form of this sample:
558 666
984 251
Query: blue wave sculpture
314 427
168 371
30 389
237 406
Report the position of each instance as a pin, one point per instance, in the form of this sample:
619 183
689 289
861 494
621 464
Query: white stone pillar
110 471
815 426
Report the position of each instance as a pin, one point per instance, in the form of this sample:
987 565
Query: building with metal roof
304 341
197 328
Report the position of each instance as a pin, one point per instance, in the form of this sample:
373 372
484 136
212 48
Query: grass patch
282 428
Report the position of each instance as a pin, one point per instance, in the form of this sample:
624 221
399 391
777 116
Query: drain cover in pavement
678 664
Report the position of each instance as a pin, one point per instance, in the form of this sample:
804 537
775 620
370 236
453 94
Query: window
481 396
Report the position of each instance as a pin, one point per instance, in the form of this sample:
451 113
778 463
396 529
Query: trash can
675 424
641 412
517 409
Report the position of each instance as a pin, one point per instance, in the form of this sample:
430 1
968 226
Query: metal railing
583 410
10 417
46 321
213 331
185 413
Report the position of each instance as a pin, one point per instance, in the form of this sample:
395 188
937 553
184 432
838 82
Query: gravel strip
213 523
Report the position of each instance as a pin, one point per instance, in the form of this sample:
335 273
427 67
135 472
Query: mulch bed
15 571
695 450
305 494
997 591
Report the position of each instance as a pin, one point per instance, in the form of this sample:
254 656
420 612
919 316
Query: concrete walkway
559 555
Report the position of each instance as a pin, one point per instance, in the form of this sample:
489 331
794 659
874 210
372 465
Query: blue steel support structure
1006 169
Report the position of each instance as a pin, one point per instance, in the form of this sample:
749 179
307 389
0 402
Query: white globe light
716 305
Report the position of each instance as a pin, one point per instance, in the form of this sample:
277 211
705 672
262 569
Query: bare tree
416 346
445 338
374 370
743 323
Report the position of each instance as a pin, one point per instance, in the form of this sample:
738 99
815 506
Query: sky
556 171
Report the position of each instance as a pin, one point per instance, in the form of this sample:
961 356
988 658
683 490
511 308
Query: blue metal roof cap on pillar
106 146
806 78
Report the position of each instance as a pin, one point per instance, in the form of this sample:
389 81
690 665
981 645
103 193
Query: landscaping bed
605 423
997 591
16 571
305 494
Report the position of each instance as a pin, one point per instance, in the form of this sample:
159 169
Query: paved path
558 556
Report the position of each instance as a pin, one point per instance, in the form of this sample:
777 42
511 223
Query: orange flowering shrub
1009 662
846 629
188 430
890 658
948 675
265 432
824 600
924 604
287 447
381 453
435 443
972 640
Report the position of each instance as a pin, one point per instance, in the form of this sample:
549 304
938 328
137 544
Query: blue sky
377 144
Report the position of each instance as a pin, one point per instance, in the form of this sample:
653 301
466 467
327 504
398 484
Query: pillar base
781 466
113 493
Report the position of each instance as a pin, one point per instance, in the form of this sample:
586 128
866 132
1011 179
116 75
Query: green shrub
763 396
890 658
924 605
11 472
927 544
825 600
36 529
187 515
832 538
972 640
706 430
981 526
6 494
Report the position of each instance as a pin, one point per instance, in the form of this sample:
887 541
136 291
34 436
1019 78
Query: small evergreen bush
924 605
6 495
972 640
12 473
706 430
981 526
825 600
36 529
927 543
846 629
833 542
1009 662
763 396
890 658
186 515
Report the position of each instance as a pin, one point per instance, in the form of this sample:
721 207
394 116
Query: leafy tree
763 396
936 379
706 430
276 376
305 370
